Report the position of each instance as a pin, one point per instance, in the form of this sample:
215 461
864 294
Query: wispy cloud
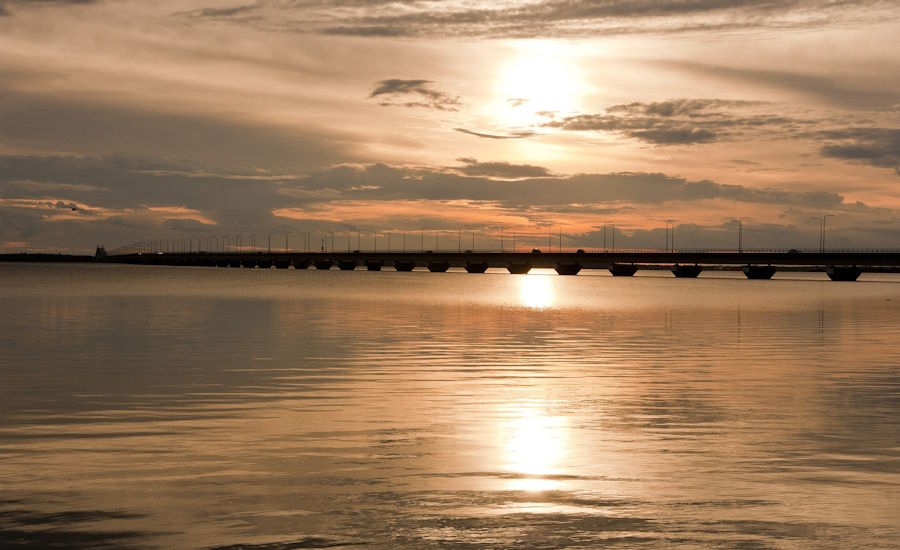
818 88
500 170
519 134
679 122
413 93
540 18
7 8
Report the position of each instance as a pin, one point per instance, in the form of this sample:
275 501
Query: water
162 407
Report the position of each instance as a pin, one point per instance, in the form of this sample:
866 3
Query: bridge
840 265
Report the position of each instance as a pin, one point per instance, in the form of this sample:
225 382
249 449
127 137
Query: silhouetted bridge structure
844 265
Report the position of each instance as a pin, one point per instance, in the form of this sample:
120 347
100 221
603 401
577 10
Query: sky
123 121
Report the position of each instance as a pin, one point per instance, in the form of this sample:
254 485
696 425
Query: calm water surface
162 407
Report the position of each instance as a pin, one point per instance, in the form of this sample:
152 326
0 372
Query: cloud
512 135
541 18
73 202
88 126
542 190
680 121
820 88
501 170
5 7
875 146
397 92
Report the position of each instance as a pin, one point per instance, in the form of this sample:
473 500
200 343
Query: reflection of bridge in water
844 265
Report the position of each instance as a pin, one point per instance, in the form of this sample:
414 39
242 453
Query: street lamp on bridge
822 230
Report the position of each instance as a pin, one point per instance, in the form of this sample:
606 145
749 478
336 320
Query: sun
538 80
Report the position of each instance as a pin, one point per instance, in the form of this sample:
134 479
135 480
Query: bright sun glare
539 79
536 446
536 291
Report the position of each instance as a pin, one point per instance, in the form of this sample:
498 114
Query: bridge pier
623 270
686 271
346 265
282 263
249 264
323 263
758 271
438 267
404 265
264 263
843 272
476 267
568 268
300 264
519 268
374 265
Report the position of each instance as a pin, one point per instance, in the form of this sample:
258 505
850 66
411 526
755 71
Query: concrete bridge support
623 270
758 271
686 271
282 263
519 268
404 265
374 265
346 265
843 272
438 267
323 263
300 264
476 267
249 264
568 268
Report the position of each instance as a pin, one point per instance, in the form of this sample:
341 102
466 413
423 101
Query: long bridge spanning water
839 265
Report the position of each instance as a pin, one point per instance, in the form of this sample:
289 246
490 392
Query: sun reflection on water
536 291
535 447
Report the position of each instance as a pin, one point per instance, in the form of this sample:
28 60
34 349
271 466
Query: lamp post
670 244
741 234
821 232
823 229
672 238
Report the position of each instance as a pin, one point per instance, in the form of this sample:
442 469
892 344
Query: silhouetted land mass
40 257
